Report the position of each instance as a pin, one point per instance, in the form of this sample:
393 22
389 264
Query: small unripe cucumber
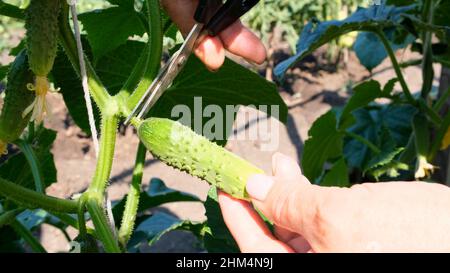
180 147
42 34
17 98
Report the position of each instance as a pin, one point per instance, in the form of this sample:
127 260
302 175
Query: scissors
211 16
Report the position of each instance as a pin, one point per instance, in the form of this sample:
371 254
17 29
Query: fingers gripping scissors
211 16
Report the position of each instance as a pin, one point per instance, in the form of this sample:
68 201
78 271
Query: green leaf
316 34
109 28
17 169
113 69
11 10
370 50
231 85
3 71
155 226
157 194
218 239
363 95
325 142
337 176
389 151
370 124
69 83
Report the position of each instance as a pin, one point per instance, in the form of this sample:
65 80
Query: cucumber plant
364 140
119 71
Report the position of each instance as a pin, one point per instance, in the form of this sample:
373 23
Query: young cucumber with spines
41 24
180 147
17 98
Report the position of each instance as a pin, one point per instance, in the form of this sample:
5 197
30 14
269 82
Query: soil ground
309 92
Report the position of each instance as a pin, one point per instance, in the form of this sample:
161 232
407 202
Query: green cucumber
17 99
180 147
41 23
42 34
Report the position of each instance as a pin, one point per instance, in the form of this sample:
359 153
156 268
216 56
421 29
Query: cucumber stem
427 61
106 154
35 167
155 39
396 66
101 225
131 206
32 199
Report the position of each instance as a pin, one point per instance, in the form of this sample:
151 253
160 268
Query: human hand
371 217
237 39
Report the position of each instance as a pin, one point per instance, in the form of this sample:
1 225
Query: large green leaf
218 238
113 69
325 142
316 34
231 85
370 50
155 226
109 28
337 176
363 94
157 194
3 71
371 123
67 80
17 169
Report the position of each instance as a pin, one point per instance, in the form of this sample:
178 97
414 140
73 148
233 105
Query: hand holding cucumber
371 217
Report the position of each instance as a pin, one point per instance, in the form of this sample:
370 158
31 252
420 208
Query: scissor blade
167 74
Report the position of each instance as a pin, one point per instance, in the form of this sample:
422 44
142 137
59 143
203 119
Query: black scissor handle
206 10
231 11
218 17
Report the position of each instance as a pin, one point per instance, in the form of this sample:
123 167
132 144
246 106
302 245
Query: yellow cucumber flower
40 107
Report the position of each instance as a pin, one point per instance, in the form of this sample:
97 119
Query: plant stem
105 155
67 40
441 101
427 62
11 11
364 141
93 197
434 116
32 199
131 206
396 66
23 232
101 225
35 167
81 220
155 38
67 219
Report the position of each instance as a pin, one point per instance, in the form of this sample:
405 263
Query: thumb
287 199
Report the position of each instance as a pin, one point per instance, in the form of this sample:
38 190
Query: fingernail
258 186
